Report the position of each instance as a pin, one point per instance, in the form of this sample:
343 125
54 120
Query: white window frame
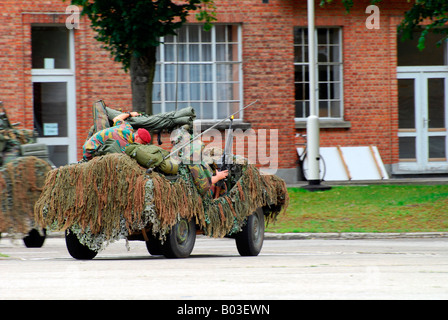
340 63
67 76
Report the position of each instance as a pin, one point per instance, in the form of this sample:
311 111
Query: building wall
369 62
370 85
97 75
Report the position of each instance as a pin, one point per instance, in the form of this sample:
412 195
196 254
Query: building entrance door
422 133
54 100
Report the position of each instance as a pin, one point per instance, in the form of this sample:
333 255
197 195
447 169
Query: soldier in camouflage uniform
203 175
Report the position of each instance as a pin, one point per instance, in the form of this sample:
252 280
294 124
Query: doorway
422 117
54 91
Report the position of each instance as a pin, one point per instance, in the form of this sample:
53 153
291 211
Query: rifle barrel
199 135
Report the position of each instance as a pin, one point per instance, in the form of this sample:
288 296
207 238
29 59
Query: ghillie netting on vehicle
10 142
21 182
112 197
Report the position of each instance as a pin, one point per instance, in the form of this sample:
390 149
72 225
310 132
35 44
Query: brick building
373 89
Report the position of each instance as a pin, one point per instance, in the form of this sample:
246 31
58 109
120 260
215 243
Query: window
329 75
434 55
50 47
201 69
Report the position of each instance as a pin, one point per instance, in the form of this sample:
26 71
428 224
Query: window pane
226 33
170 106
433 55
323 109
437 147
334 54
156 108
323 54
406 147
170 92
301 73
50 108
183 91
157 74
323 90
232 33
323 72
302 92
335 109
207 111
169 52
181 53
299 54
322 36
436 102
223 110
182 35
406 104
221 52
194 52
206 36
50 47
300 35
227 72
156 93
183 72
169 39
170 73
220 33
206 52
207 72
195 91
334 73
225 91
335 92
195 73
207 91
193 33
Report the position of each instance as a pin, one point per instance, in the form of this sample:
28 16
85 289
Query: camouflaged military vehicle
126 196
23 166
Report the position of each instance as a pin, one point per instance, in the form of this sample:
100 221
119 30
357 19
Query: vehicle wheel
180 241
154 246
250 240
76 249
34 239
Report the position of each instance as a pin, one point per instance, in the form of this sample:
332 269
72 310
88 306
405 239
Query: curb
353 236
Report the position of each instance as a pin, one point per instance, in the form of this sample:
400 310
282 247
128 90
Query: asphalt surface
311 269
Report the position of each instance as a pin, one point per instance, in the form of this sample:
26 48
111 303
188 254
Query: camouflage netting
111 197
10 141
21 182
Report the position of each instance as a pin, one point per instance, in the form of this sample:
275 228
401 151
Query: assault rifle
226 160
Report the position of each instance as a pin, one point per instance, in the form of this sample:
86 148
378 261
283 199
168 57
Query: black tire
180 241
154 246
250 240
76 249
34 239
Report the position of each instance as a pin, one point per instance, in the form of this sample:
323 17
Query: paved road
285 269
